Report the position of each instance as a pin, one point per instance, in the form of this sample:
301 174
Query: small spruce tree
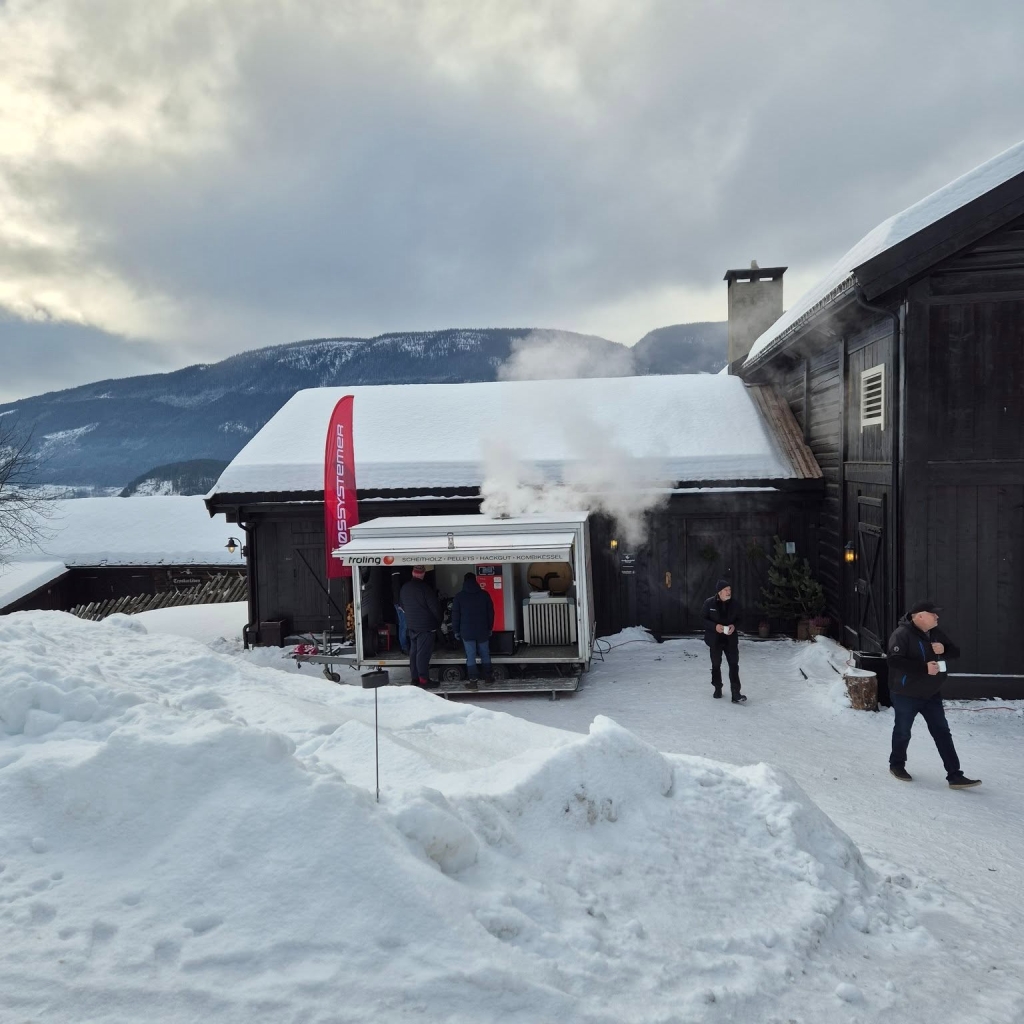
791 592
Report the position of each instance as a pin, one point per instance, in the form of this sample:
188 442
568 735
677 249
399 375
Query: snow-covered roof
892 232
19 579
682 427
132 531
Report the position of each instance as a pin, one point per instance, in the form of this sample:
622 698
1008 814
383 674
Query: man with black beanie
720 615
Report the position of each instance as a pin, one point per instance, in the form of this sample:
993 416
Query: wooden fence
219 590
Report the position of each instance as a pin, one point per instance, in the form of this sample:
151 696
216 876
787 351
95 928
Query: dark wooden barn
94 550
726 490
92 584
905 370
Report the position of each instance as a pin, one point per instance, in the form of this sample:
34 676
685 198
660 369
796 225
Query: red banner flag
341 512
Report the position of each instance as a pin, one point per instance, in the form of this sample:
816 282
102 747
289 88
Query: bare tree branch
24 510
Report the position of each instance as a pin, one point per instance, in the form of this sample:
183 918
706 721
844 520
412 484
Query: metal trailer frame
475 539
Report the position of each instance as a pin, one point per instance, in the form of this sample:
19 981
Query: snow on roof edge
840 280
20 579
696 427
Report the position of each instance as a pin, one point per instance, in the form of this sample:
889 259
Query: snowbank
823 663
188 837
207 623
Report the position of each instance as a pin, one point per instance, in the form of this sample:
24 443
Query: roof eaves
223 502
845 288
943 238
784 430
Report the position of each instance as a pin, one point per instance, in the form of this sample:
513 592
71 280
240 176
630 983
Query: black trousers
905 709
730 647
421 648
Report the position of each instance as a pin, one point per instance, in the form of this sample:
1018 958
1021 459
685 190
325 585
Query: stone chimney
755 303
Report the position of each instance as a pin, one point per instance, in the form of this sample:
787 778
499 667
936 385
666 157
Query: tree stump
862 687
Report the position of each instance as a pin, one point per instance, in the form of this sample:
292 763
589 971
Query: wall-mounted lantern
849 553
613 543
232 545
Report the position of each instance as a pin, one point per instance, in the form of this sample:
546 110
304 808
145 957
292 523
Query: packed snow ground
189 834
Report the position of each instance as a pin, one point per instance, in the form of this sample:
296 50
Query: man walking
422 617
917 656
720 615
472 621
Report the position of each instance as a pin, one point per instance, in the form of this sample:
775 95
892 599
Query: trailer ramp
554 685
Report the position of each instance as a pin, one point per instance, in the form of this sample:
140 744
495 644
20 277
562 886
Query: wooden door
871 574
661 578
709 556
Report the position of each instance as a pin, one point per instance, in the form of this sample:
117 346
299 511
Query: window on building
872 397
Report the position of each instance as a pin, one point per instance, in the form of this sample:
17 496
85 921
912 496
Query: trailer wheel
453 674
499 673
334 677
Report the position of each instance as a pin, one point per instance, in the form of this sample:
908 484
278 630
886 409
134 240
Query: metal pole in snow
371 681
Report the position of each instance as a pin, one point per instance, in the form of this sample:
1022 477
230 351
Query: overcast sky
185 179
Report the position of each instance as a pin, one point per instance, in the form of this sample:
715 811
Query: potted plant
792 592
818 625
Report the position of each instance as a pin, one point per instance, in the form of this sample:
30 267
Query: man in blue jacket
472 621
917 656
721 614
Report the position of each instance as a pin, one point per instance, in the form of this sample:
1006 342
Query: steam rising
557 355
598 474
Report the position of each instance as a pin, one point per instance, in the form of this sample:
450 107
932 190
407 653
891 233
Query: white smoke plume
558 355
598 475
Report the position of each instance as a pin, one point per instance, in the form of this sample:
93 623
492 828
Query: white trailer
537 570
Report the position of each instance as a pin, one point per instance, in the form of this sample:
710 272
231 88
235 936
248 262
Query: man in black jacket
422 617
720 615
472 621
917 656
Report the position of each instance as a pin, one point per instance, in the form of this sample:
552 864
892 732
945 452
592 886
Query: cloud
212 176
48 356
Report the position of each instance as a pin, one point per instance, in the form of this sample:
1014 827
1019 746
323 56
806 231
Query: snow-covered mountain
108 433
196 476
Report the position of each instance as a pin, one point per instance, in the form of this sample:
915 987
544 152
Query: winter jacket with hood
720 613
908 654
472 612
421 606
